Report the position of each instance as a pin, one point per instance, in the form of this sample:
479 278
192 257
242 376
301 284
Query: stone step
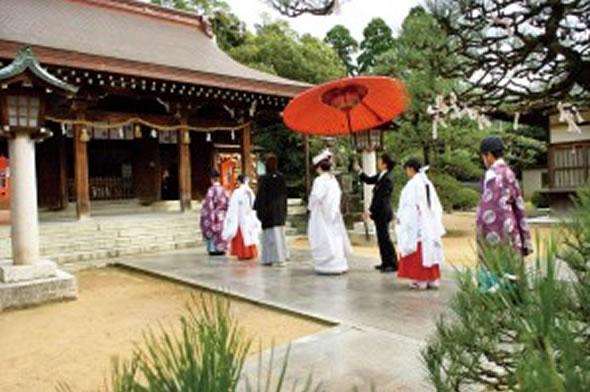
117 236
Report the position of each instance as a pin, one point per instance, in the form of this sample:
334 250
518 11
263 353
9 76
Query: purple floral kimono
501 214
212 217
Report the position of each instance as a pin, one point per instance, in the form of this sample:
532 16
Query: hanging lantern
63 129
186 138
84 136
138 131
233 134
121 133
154 133
209 136
368 140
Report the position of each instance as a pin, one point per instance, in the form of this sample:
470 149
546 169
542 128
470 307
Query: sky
354 14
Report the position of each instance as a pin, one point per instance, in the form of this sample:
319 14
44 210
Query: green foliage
533 333
345 45
277 48
539 200
453 195
378 39
288 147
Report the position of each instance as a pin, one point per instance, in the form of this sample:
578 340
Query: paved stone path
380 325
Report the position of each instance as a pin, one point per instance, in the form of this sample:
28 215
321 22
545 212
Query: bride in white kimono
419 229
326 231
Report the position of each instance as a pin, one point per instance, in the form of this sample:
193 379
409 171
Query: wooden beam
247 151
81 180
184 168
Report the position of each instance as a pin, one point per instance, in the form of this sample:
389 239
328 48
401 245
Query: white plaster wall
531 181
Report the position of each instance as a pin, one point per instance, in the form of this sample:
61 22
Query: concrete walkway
379 324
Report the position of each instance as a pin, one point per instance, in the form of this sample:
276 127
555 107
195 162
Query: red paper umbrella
347 105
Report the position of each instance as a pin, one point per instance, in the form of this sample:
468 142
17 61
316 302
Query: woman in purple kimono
501 215
212 216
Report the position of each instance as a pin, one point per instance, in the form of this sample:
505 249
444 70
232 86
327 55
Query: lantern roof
25 60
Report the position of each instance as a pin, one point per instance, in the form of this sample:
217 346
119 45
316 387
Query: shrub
540 200
465 199
532 333
452 194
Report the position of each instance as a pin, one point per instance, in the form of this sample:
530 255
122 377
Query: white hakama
327 234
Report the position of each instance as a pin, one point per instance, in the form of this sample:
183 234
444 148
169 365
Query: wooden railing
569 165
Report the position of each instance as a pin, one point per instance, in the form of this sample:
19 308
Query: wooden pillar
247 150
184 168
81 180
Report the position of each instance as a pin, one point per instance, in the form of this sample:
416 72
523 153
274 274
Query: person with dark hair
241 226
419 229
380 210
213 215
327 234
271 208
501 215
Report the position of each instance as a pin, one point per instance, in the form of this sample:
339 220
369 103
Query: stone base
27 285
10 273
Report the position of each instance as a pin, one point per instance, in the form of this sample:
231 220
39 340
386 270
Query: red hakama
410 267
241 251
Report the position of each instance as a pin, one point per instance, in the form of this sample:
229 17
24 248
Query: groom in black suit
380 211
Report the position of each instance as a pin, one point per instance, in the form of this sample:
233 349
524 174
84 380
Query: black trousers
386 248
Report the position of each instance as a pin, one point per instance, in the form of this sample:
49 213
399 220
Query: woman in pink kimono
501 215
212 216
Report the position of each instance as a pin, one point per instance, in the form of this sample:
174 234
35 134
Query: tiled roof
94 27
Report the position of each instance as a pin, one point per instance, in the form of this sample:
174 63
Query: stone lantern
368 143
24 89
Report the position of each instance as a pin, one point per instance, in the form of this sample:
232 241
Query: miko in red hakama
240 250
410 267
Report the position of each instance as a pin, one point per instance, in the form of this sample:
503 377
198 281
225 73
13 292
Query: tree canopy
377 39
277 48
340 39
524 55
293 8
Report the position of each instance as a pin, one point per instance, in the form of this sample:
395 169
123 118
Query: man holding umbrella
380 210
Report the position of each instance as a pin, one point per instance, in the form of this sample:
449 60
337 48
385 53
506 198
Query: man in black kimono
271 209
380 210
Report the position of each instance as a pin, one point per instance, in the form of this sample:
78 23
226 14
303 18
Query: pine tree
531 335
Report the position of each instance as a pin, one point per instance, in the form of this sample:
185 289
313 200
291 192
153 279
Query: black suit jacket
381 204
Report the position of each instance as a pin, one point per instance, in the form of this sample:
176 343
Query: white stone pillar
23 200
370 168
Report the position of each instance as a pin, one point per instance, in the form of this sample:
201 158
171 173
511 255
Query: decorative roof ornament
25 60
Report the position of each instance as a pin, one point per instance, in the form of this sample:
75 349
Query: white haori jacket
240 212
327 233
417 221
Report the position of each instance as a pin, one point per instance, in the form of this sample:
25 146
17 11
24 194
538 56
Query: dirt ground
74 341
459 243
